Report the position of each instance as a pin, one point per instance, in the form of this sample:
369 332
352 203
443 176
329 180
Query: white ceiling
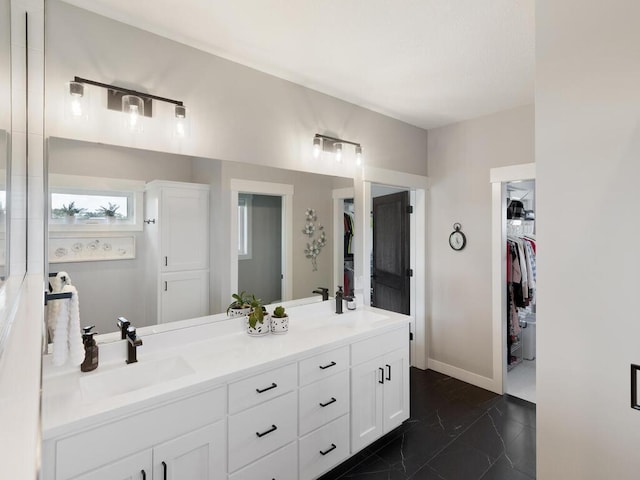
426 62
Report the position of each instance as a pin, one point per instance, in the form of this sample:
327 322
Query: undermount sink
130 378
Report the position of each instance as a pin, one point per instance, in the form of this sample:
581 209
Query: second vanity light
136 105
335 146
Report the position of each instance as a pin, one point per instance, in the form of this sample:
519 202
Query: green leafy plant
257 312
109 211
279 312
71 209
240 300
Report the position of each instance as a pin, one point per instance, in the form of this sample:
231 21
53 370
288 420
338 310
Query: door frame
418 187
339 195
499 177
283 190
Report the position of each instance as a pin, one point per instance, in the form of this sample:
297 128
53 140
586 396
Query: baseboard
464 375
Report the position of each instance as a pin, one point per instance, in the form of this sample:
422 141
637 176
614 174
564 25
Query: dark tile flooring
456 432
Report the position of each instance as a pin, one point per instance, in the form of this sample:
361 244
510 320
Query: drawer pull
331 448
381 375
144 475
388 372
324 367
273 385
164 469
272 429
329 402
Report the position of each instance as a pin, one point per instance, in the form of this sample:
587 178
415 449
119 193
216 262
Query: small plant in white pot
279 321
70 211
258 321
109 212
241 305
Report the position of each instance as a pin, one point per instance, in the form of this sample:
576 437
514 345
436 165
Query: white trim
339 195
464 375
264 188
96 183
498 177
395 178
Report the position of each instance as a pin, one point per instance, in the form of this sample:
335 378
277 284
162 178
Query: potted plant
240 306
109 212
279 320
70 211
258 321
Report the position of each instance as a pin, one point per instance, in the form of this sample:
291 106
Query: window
244 226
78 203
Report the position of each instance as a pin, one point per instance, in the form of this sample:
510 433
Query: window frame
247 234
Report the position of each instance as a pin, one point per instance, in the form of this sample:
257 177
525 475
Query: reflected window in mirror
78 203
244 226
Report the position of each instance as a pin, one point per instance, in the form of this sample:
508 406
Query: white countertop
215 351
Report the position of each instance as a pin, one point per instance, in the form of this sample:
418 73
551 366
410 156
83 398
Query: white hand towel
67 339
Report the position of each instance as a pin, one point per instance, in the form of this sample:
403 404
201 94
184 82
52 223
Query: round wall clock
457 239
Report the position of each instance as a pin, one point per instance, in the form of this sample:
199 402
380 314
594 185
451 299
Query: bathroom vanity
210 402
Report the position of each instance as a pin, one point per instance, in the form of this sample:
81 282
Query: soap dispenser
339 299
90 350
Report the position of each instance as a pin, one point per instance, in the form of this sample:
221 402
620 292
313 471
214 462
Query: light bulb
317 145
358 155
180 126
338 149
133 106
133 116
76 108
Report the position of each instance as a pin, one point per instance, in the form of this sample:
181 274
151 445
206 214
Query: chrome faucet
123 325
322 291
133 342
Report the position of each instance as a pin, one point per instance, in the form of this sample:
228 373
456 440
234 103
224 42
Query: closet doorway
514 280
344 240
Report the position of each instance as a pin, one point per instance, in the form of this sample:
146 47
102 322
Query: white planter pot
260 328
239 312
280 325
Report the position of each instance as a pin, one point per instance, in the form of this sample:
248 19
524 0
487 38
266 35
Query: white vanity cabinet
177 250
379 387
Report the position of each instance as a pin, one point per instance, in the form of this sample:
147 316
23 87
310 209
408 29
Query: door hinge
409 208
410 336
410 272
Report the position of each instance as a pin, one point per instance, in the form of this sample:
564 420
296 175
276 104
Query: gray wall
460 157
588 167
260 274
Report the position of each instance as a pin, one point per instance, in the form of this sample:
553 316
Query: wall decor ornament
311 229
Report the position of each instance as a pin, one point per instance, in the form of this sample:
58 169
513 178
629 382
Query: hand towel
67 339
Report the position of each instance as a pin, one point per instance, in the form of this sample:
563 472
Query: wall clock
457 239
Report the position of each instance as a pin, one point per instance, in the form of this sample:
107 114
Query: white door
184 295
366 403
396 389
134 467
199 455
185 230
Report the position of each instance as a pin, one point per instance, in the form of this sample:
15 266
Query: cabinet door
184 295
366 403
134 467
184 229
396 388
199 455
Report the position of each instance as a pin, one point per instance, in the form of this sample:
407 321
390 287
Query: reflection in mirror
107 257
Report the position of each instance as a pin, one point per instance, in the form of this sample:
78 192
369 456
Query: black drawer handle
144 475
331 448
388 372
324 367
333 400
273 385
272 429
381 375
164 469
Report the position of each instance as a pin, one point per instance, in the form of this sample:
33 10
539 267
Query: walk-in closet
521 290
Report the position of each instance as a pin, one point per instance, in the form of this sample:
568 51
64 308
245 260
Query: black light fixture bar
127 91
337 140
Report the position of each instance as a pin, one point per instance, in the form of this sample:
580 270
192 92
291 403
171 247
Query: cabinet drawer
259 388
262 429
323 401
379 345
110 442
280 465
324 365
325 448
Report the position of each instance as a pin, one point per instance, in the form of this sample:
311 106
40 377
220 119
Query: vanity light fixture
76 100
335 146
135 104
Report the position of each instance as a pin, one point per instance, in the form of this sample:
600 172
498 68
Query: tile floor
456 432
